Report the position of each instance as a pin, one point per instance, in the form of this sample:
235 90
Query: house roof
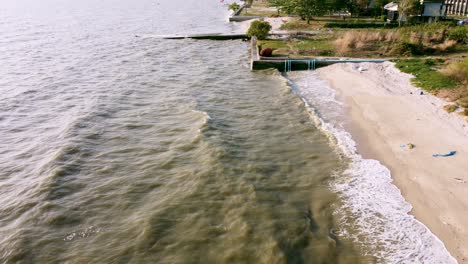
392 6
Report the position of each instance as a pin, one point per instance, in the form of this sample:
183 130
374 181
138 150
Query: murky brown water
118 147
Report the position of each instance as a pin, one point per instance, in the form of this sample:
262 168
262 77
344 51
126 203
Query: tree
337 5
355 6
307 9
285 6
407 8
259 29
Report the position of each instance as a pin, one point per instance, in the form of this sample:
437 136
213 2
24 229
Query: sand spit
388 113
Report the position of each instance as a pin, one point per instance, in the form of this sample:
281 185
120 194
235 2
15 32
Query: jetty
211 36
286 64
283 64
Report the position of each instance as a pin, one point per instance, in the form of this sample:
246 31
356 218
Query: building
457 7
431 10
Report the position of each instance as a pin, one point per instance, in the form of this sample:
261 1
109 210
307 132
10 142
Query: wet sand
387 113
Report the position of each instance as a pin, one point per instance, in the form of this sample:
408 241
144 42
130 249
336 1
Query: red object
266 52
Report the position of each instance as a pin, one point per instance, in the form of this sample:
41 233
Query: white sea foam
374 206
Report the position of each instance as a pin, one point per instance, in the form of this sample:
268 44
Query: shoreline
385 112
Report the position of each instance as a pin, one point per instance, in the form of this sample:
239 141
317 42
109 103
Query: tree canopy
306 9
259 29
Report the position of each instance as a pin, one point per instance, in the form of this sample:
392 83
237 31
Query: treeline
307 9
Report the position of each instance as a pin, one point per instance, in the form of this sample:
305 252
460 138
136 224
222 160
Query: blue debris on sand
445 155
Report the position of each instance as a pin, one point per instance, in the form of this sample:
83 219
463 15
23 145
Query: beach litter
409 146
460 180
451 153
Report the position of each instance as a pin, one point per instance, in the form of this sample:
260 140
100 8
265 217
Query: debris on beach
460 180
451 153
360 69
409 146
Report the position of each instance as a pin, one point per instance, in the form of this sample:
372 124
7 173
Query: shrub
459 34
458 71
450 108
406 48
234 7
259 29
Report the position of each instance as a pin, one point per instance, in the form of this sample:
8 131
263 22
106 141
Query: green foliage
286 6
259 29
234 7
408 49
357 6
425 75
307 9
408 7
301 47
459 34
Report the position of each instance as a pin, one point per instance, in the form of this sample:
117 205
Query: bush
234 7
259 29
459 34
457 71
406 48
450 108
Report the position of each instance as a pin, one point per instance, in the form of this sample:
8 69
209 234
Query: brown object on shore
266 52
379 106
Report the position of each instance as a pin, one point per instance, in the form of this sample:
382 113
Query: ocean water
118 147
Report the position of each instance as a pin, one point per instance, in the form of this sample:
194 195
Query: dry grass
464 113
458 71
363 40
445 46
451 95
423 40
427 38
463 102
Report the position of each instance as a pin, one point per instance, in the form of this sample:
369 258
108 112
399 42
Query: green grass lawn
451 83
299 47
426 74
320 22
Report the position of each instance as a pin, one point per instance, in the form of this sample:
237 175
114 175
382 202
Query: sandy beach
387 113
